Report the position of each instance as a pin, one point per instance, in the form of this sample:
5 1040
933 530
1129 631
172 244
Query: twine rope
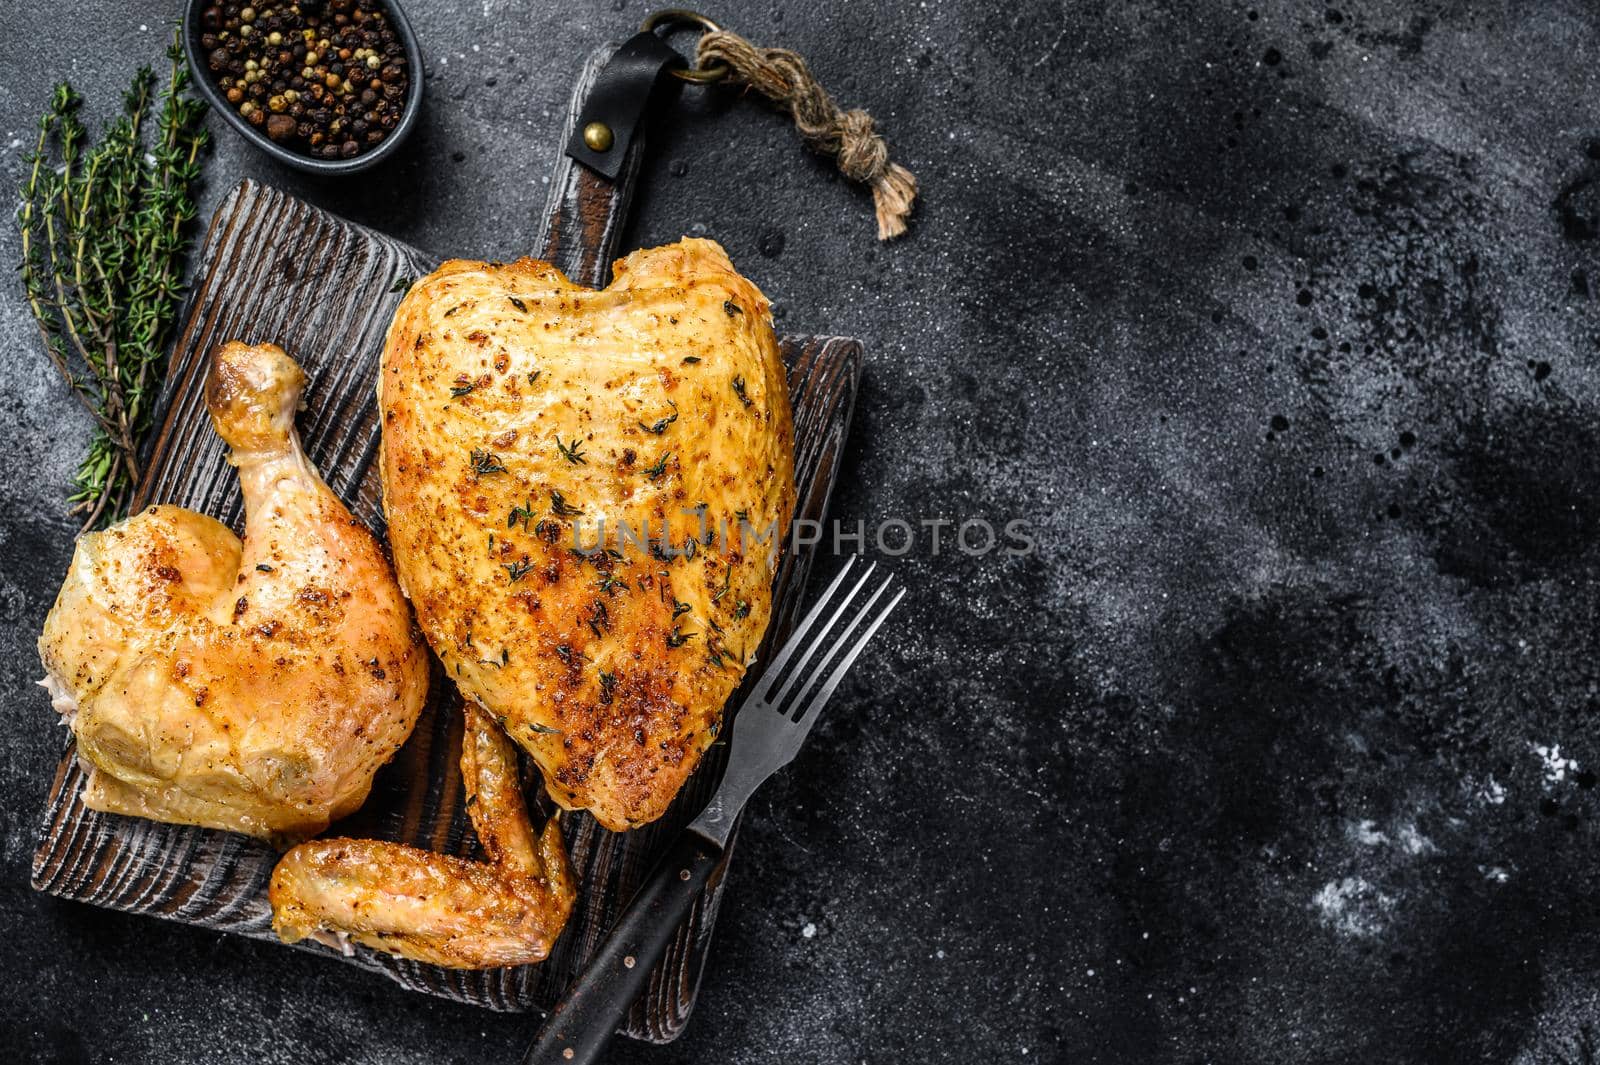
849 136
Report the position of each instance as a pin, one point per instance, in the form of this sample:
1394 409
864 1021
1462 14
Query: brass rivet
597 135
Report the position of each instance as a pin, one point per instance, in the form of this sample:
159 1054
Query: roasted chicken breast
586 492
251 686
434 907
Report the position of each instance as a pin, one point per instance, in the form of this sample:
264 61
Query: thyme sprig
104 230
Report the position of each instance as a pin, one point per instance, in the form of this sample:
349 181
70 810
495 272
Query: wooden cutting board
276 269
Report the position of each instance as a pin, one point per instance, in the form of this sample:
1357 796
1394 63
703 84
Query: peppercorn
280 127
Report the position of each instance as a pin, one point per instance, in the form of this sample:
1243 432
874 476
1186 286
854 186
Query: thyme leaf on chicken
484 462
660 426
572 452
522 514
655 472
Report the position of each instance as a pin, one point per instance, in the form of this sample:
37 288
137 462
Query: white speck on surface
1556 767
1366 833
1492 792
1352 907
1413 841
809 931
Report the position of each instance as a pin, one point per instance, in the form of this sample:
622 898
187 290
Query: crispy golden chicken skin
519 412
434 907
255 687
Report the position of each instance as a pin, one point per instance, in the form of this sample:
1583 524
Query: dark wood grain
274 268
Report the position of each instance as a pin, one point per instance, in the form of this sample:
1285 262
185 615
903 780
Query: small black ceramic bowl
207 87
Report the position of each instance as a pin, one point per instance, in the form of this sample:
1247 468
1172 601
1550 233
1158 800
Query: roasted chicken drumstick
251 686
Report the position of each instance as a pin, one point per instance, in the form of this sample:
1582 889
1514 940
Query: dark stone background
1279 325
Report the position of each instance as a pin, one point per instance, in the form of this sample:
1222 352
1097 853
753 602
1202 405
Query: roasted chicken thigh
251 686
586 492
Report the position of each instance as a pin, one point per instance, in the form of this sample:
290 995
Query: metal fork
768 730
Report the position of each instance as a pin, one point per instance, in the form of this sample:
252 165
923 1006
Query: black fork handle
582 1023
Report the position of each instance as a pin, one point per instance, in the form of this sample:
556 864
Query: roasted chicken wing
434 907
586 493
251 686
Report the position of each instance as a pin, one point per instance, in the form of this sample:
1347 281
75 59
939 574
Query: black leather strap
620 99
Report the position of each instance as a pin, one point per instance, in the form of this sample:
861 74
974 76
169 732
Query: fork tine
822 694
816 640
829 643
769 676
